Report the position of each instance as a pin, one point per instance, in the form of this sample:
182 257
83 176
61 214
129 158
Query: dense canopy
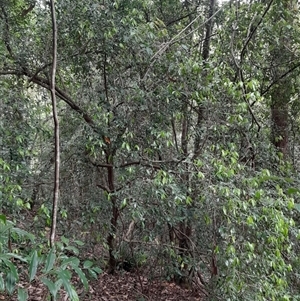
166 136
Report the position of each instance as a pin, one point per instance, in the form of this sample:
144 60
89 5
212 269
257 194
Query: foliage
179 149
53 268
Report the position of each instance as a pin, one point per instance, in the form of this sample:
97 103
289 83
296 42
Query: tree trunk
114 217
279 115
282 89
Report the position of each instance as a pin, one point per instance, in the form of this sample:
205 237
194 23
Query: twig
254 30
177 38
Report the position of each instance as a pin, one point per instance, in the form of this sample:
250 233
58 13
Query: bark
208 30
115 214
56 125
281 92
205 56
279 115
185 227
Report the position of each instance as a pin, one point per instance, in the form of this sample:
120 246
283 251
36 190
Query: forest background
179 144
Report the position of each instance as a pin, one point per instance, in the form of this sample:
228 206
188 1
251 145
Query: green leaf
23 233
73 249
16 256
3 218
22 294
79 242
87 264
53 287
65 240
65 277
97 270
10 282
50 285
33 266
81 276
73 261
188 200
5 228
10 265
93 274
2 285
297 207
71 291
292 190
50 260
63 274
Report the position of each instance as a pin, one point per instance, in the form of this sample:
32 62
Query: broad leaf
33 266
10 282
2 285
87 264
73 261
81 276
73 249
50 260
3 218
53 287
22 294
65 276
297 207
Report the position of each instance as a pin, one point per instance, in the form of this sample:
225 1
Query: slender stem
56 124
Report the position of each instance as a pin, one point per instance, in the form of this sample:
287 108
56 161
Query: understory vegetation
155 137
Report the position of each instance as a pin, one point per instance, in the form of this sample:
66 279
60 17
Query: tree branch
43 82
6 33
254 30
181 17
28 10
62 95
280 78
106 189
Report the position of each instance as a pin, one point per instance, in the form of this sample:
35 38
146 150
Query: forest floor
123 286
132 287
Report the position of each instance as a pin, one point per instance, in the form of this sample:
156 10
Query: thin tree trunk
279 115
185 227
56 125
281 93
205 57
114 216
208 31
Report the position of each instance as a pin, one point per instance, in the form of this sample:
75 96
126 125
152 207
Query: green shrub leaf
33 266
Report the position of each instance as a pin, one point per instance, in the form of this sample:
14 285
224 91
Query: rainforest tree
179 124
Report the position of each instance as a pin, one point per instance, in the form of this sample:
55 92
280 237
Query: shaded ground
123 286
127 286
131 287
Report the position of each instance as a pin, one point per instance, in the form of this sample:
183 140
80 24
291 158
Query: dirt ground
122 286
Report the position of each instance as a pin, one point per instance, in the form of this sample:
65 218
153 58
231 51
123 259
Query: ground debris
123 286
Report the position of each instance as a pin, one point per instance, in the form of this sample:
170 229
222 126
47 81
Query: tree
172 114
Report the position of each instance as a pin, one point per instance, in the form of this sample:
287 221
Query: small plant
9 275
54 267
